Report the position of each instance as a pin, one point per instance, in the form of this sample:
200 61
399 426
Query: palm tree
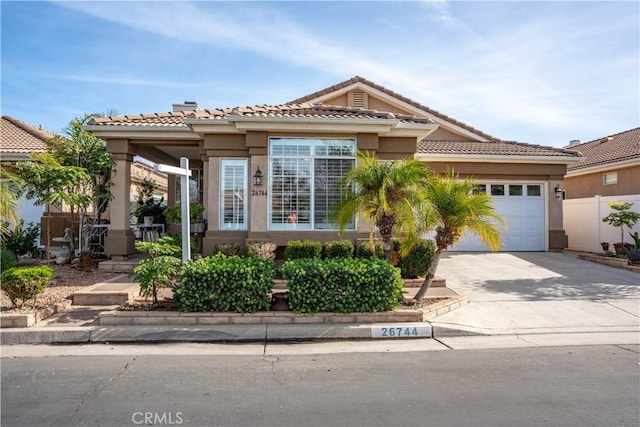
386 193
10 188
455 208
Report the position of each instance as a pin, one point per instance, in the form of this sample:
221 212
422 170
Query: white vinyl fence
583 224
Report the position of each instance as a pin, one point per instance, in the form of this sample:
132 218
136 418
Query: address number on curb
400 332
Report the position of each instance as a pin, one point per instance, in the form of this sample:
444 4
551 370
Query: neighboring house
609 171
141 170
18 140
301 149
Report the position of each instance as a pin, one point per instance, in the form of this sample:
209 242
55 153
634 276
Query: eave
604 167
142 132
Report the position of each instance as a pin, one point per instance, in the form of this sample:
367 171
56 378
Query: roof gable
612 149
21 137
383 99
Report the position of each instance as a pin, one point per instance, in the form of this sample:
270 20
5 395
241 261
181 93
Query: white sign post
184 173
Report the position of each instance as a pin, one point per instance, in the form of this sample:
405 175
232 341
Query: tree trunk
430 276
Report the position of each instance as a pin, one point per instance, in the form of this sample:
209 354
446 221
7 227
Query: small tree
621 217
454 209
147 204
159 270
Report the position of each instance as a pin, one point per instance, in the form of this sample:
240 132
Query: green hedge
342 285
222 283
365 250
417 262
25 283
7 259
339 249
299 249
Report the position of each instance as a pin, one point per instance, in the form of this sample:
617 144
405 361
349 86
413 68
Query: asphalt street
246 385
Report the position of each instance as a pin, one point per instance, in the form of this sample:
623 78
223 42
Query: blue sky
537 72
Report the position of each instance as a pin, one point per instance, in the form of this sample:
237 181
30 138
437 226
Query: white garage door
522 206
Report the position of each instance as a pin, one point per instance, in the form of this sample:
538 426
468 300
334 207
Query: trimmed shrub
25 283
157 271
339 249
365 250
262 250
342 285
222 283
7 259
299 249
228 249
417 262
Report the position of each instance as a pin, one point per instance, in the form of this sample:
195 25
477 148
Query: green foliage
297 249
636 239
342 285
7 259
262 250
367 250
416 263
228 249
147 204
622 216
24 283
222 283
11 186
22 240
174 213
339 249
159 270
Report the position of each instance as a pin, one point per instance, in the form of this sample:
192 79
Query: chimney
185 106
572 143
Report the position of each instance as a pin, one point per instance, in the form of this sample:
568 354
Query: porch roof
492 148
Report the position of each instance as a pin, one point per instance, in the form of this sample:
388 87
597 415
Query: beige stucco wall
590 185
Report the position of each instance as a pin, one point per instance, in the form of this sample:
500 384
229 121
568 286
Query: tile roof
493 148
176 119
20 137
610 149
358 79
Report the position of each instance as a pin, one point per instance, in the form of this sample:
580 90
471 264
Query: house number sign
392 331
258 193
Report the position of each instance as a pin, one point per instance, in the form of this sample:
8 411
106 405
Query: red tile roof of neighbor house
21 137
610 149
282 111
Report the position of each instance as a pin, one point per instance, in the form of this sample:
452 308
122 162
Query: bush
22 240
228 249
342 285
417 262
262 250
25 283
365 250
7 259
159 270
298 249
339 249
222 283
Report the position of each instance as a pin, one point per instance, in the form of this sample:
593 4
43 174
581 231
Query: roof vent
572 143
358 99
186 106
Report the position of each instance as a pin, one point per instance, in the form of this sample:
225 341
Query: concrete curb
213 333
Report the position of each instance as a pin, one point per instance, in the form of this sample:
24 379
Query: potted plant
196 210
622 216
149 210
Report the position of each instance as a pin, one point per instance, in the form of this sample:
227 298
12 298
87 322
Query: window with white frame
304 176
610 178
233 194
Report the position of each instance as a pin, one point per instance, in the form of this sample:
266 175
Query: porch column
211 188
558 239
120 242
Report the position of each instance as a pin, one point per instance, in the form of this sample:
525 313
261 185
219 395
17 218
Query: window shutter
358 99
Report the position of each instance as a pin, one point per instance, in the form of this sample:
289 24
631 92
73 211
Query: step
107 294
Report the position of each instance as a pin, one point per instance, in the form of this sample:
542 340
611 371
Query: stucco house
256 166
609 170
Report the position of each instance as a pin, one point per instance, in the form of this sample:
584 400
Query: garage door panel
525 219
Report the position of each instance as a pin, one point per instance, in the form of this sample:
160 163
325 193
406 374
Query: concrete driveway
538 292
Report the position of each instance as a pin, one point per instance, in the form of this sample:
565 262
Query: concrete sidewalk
510 294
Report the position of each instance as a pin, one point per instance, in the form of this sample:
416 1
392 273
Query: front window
304 175
233 194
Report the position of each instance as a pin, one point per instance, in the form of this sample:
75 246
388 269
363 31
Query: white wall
583 224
